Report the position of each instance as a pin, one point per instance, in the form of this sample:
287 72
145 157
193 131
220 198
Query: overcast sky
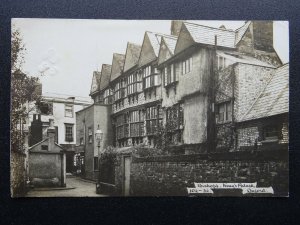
68 51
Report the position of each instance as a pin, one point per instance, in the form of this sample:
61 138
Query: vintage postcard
106 108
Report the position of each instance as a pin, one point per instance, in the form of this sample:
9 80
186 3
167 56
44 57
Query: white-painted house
62 109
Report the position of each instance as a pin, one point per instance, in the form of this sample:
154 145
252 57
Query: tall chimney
263 35
176 26
51 135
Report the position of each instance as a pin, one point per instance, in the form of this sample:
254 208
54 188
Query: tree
24 90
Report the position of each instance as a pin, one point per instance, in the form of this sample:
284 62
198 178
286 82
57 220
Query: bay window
150 77
120 90
153 119
134 83
136 121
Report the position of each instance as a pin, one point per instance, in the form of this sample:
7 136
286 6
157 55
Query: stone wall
47 168
17 173
171 175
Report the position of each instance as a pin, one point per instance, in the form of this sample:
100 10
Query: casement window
136 123
44 147
150 77
134 83
153 119
107 96
96 163
90 135
81 141
170 74
224 112
187 65
69 110
222 62
120 90
271 132
122 129
69 132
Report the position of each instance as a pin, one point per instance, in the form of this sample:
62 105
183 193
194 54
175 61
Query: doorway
127 164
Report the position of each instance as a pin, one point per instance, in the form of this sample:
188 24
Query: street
76 187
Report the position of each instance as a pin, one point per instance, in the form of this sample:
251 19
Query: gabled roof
206 35
154 41
274 99
167 48
151 46
241 31
95 81
170 42
117 66
132 55
105 76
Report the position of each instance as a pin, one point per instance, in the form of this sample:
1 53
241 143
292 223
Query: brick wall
17 174
171 175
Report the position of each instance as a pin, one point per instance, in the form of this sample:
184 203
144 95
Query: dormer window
150 77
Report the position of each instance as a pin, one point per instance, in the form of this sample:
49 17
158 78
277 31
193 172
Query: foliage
144 151
24 90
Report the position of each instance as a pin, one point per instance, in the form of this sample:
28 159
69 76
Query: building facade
195 90
62 110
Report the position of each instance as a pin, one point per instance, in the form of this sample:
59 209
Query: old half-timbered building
126 84
196 108
192 91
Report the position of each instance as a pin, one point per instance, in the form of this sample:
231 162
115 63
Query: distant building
47 161
62 110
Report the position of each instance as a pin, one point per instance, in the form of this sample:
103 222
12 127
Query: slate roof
274 99
206 35
155 39
105 76
97 75
132 55
225 37
241 58
171 43
117 66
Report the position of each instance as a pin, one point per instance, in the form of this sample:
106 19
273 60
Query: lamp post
98 137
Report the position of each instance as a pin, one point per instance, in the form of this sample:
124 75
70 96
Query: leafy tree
24 91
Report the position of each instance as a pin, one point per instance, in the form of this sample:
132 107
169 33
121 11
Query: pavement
75 187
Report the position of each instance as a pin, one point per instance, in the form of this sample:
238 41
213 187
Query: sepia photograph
105 108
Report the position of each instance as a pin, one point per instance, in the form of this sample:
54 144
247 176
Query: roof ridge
36 144
200 25
158 33
236 30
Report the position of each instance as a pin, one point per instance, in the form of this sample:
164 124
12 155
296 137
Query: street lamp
98 136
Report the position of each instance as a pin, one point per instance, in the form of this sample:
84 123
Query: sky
65 52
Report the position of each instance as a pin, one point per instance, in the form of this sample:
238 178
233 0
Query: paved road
80 188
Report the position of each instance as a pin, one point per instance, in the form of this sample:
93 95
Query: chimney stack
176 27
51 135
